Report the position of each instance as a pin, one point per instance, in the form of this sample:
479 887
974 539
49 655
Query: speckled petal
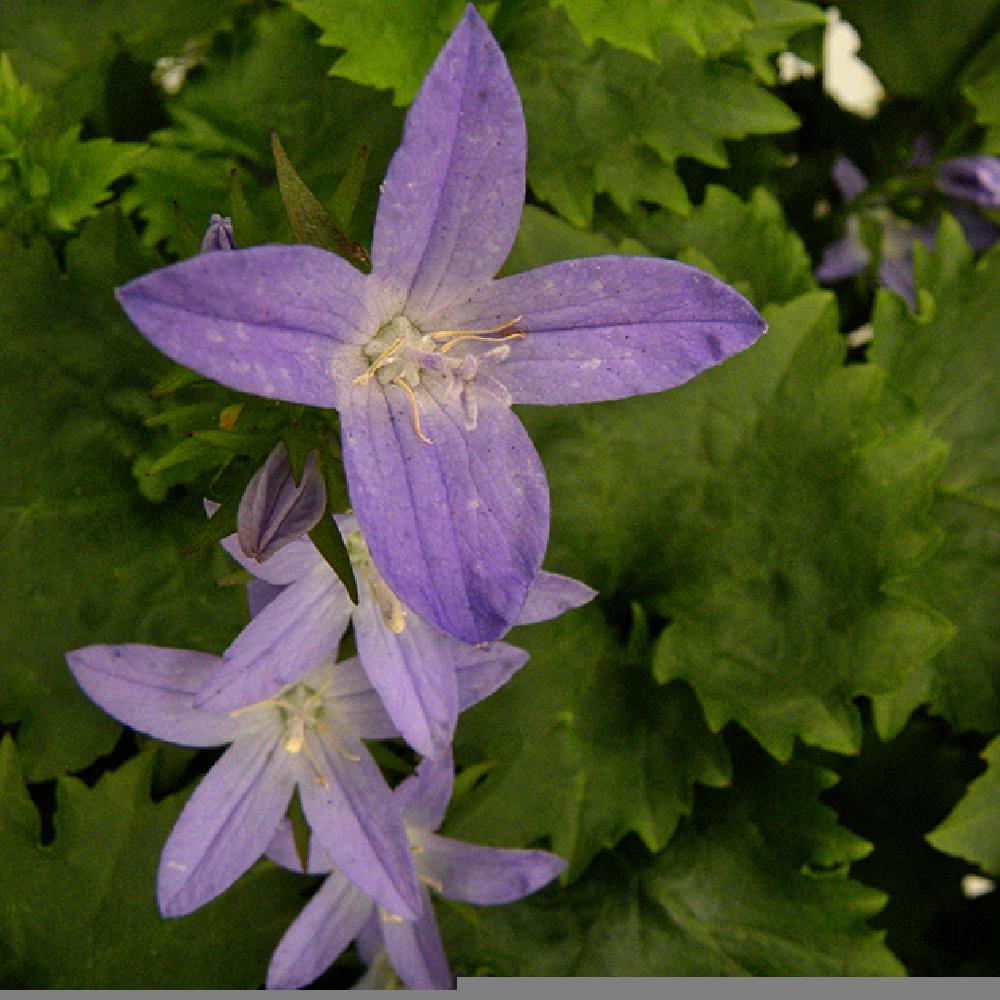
152 690
457 527
452 198
277 321
324 928
606 327
226 825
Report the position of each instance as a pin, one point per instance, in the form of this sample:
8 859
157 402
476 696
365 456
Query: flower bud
972 178
219 235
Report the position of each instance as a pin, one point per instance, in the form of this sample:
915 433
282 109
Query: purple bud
219 235
972 178
274 510
849 179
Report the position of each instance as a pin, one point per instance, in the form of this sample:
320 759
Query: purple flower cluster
449 521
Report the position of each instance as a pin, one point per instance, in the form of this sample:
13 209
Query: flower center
401 354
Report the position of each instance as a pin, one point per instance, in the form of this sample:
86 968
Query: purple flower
219 235
341 911
424 356
308 736
301 608
971 178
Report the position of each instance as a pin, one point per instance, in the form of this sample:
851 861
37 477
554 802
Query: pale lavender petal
369 940
416 952
458 527
299 629
282 851
260 594
849 179
485 668
226 825
275 510
452 198
424 796
842 259
324 928
606 327
289 564
472 873
413 671
551 594
352 814
972 178
219 235
350 696
277 321
980 233
152 690
896 274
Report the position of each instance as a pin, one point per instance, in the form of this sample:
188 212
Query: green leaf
568 733
407 37
723 228
606 120
80 912
917 48
949 369
247 230
766 513
753 885
86 559
972 830
984 95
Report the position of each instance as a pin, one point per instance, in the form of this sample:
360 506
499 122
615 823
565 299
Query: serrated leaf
569 734
86 559
949 368
80 913
730 895
972 830
764 510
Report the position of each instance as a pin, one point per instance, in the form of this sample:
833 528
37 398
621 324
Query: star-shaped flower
308 736
424 356
341 911
301 609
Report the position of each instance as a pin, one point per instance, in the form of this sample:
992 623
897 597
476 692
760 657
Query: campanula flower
341 912
424 356
413 665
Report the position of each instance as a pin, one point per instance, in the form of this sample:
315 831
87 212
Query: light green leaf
573 729
753 885
984 94
972 830
86 559
949 368
80 912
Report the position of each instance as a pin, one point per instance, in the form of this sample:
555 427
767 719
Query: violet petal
484 669
423 797
289 564
226 825
416 952
551 594
842 259
282 322
606 327
452 198
972 178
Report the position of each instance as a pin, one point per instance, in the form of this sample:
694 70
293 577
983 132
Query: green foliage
947 364
51 181
86 560
575 727
754 885
80 912
972 831
984 94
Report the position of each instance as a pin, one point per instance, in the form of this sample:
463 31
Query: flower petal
226 825
287 565
416 952
896 274
458 527
369 941
483 669
551 594
424 796
295 632
277 321
352 814
324 928
413 671
606 327
848 177
350 695
472 873
282 851
260 594
842 259
973 178
152 690
452 198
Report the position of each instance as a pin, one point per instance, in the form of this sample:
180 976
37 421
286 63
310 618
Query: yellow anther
392 918
416 411
513 335
297 737
449 334
432 882
365 377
